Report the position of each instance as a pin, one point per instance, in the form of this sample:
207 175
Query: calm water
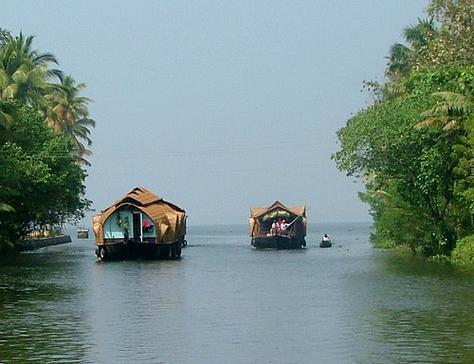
226 303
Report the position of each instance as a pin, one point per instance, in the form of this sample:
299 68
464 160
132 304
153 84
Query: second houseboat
278 226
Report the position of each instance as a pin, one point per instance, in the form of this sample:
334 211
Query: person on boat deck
282 226
273 228
278 225
326 237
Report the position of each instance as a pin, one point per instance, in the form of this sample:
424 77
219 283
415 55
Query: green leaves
67 113
40 180
27 76
414 146
41 183
416 176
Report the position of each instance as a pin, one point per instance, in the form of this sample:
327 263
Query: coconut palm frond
426 123
399 61
67 113
44 58
55 74
4 36
453 124
453 102
420 34
4 207
7 116
450 110
25 71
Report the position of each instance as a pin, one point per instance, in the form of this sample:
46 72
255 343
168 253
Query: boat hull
138 250
278 242
325 244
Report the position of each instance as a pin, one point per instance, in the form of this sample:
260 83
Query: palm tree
24 72
67 113
399 64
403 58
4 207
7 115
4 34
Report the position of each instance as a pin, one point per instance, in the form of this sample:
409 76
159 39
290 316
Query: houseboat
140 225
82 233
278 226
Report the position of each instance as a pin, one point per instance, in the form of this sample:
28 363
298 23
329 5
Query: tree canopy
41 183
413 146
44 130
29 77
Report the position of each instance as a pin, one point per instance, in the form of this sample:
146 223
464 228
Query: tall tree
41 183
419 177
455 44
67 112
403 58
25 73
27 76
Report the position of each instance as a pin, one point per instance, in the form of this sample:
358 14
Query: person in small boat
326 238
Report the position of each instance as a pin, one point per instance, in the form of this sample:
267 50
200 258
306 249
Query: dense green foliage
414 146
43 125
27 76
463 254
41 180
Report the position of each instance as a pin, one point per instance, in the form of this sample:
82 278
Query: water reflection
38 316
416 311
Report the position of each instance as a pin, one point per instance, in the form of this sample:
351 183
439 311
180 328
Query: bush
463 254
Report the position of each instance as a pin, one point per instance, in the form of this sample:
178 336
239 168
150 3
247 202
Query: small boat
278 227
325 244
82 233
140 225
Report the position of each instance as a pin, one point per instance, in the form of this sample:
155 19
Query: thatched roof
169 219
259 217
258 212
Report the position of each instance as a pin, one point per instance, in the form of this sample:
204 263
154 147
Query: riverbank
42 242
462 254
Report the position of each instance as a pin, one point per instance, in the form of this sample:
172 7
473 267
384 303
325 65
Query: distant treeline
413 146
44 139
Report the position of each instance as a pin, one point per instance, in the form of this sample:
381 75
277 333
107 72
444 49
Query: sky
218 106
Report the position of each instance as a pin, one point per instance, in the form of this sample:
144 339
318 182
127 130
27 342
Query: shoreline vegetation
44 140
33 244
413 146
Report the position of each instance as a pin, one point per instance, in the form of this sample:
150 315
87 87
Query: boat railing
289 233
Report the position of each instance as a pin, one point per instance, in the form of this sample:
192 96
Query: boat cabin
140 217
278 225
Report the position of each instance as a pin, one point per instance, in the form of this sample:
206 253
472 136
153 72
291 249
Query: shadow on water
417 311
39 316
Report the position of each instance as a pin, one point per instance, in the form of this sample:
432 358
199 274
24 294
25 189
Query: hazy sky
220 105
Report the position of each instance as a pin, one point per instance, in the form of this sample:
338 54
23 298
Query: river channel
225 302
